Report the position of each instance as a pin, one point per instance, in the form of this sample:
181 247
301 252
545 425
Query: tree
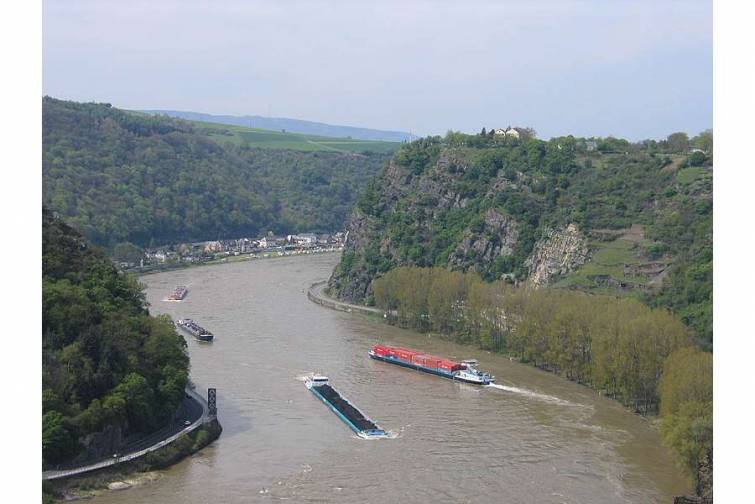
57 440
678 142
686 391
697 158
127 252
137 393
704 141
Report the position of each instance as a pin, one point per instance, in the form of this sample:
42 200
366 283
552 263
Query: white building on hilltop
508 132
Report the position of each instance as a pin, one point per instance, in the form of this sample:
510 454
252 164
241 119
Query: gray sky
636 69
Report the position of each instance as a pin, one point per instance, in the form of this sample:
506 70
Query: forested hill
119 176
601 215
109 370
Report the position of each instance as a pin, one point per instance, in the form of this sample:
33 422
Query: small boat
178 293
464 371
355 419
194 329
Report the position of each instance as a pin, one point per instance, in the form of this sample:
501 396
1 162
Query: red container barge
465 370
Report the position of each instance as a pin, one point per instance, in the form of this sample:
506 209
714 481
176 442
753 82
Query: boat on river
194 329
464 371
178 293
355 419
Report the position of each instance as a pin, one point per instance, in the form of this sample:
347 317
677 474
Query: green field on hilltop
269 139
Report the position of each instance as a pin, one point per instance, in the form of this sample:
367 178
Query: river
535 439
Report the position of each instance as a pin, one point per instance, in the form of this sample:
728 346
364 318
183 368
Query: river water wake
534 395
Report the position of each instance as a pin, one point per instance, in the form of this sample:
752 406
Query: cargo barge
178 293
355 419
199 332
464 371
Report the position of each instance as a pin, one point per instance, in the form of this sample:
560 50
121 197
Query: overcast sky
636 69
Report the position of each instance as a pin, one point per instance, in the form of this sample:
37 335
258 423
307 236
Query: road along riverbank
110 473
316 294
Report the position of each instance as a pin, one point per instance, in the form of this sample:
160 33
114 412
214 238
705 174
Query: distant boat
178 293
465 371
194 329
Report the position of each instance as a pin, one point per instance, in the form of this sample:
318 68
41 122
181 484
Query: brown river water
535 439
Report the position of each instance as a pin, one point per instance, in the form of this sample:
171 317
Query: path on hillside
194 409
316 295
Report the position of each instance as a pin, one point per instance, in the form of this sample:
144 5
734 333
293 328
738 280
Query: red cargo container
417 358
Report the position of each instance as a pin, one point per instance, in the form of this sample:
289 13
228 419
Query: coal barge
355 419
191 327
178 293
464 371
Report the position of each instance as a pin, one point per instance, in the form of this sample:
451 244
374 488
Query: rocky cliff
557 253
459 211
523 211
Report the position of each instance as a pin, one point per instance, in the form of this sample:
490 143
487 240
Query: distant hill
291 125
118 176
268 139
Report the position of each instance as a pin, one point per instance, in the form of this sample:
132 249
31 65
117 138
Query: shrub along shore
644 357
90 484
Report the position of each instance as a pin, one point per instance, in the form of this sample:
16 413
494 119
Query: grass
269 139
687 176
607 260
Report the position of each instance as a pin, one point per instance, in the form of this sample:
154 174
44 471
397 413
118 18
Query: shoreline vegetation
643 357
112 373
137 472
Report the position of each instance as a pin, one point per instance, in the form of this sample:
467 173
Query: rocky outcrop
350 281
101 444
557 253
497 237
453 212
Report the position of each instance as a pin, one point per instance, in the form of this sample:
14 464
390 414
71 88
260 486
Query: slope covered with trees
644 357
106 364
122 177
599 215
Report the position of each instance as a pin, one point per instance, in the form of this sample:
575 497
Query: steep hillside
124 177
109 370
630 219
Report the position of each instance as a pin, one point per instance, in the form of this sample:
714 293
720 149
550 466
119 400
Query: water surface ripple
535 438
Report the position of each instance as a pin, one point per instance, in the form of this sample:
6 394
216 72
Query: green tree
686 391
678 142
127 252
58 441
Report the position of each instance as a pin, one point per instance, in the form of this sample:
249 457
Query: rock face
497 238
557 253
454 211
349 281
101 444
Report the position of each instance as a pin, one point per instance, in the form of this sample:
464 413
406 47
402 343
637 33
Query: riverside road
191 414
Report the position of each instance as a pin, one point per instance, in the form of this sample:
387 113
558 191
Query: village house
508 132
306 239
267 242
213 246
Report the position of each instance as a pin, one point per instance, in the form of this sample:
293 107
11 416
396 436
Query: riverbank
583 447
316 294
133 473
149 270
